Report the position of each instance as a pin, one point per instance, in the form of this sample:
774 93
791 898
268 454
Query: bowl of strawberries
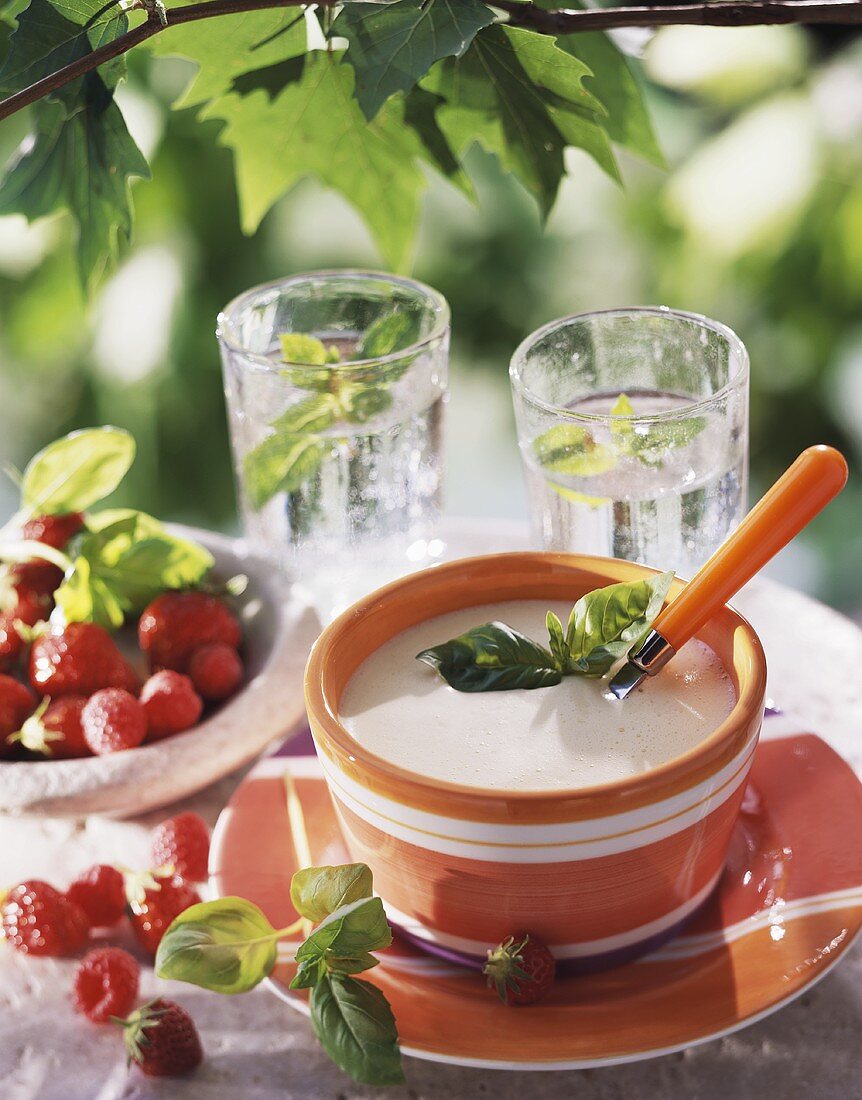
139 662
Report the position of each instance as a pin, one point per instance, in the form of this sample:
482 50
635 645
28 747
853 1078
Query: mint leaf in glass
281 463
492 657
355 1026
570 449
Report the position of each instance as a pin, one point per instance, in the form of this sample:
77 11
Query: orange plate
787 908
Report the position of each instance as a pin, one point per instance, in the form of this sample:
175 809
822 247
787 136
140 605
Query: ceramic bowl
277 634
601 873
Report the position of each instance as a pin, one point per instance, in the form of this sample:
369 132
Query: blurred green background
757 222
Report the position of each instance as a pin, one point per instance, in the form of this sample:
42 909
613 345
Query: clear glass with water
337 438
633 429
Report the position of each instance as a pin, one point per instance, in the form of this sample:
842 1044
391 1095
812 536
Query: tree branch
724 13
735 13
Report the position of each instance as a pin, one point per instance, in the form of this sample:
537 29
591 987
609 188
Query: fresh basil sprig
121 561
229 946
603 626
75 472
296 449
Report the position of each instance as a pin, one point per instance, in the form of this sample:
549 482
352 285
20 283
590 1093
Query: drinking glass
633 430
338 459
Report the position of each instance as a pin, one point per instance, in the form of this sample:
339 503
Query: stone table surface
257 1048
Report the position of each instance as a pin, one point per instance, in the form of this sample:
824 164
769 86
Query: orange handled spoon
818 475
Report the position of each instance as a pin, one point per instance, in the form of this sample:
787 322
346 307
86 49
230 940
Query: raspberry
216 671
54 730
184 843
162 1038
159 907
39 920
171 704
78 660
106 984
177 623
113 720
100 894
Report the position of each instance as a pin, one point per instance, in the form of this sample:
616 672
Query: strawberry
23 606
53 530
183 842
100 894
216 671
16 702
112 721
39 920
162 1038
106 984
171 703
521 969
77 660
158 907
54 729
177 623
42 576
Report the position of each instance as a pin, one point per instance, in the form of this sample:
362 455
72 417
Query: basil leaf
559 649
126 561
318 891
355 1026
604 625
385 335
227 946
281 463
350 932
492 657
300 348
76 471
571 449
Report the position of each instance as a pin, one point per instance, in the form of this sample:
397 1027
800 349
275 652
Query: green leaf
73 473
312 125
318 891
393 45
605 624
299 347
622 430
80 158
292 454
385 335
347 936
492 657
628 122
652 447
359 403
54 33
124 563
559 649
430 143
571 449
227 946
355 1026
226 48
523 99
311 414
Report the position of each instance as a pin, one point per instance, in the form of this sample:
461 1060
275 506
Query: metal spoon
818 475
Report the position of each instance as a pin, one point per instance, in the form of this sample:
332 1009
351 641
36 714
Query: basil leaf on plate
227 946
75 472
559 649
492 657
318 891
605 624
351 932
355 1026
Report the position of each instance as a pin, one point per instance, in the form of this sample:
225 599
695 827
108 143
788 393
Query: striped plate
787 907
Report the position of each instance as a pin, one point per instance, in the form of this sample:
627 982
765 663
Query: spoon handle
806 487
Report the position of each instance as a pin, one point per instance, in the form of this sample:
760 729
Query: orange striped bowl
601 873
